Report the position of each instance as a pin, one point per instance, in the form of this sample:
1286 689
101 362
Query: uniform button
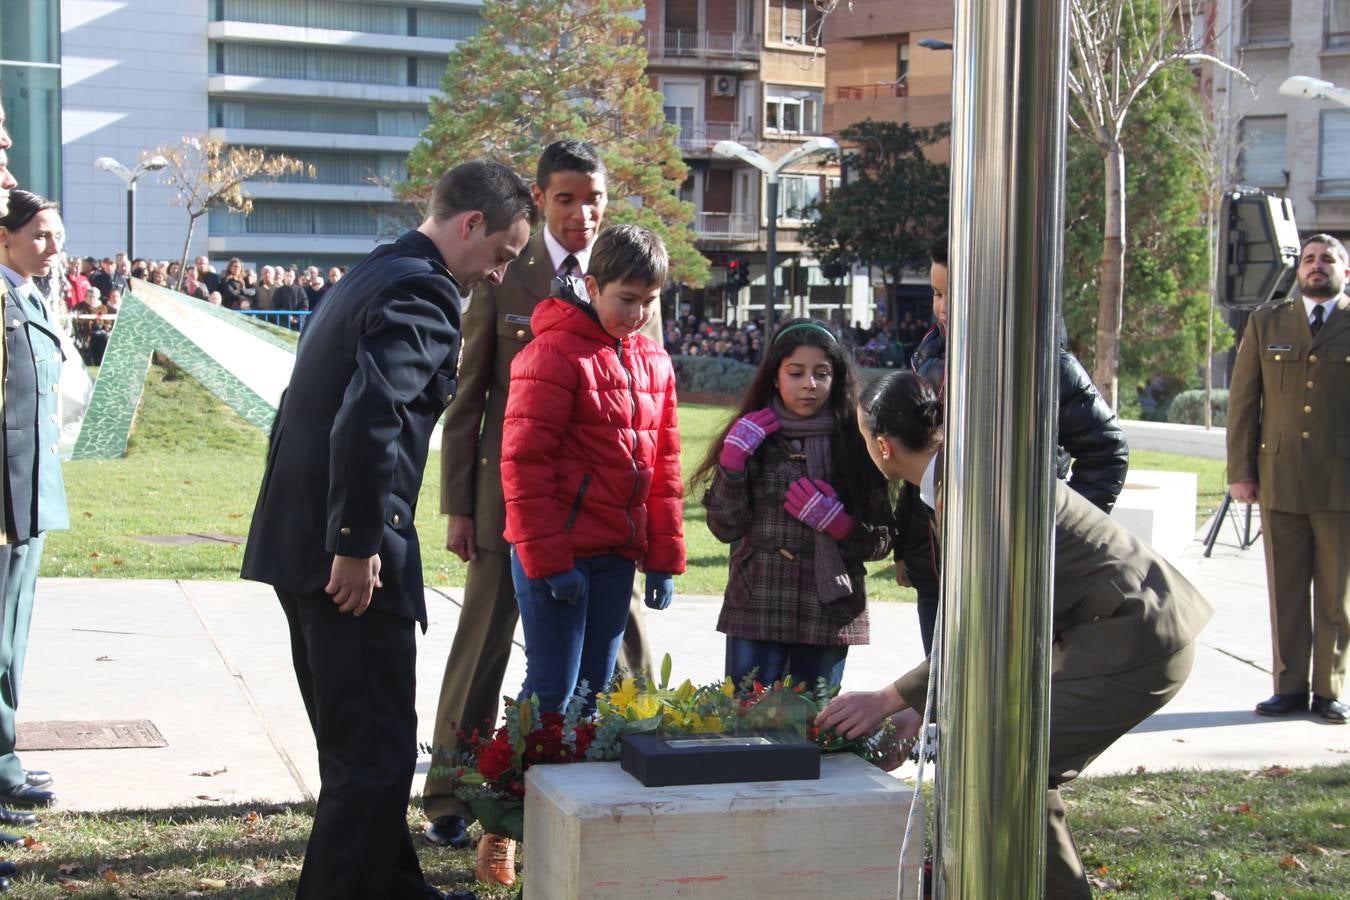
786 553
55 387
1263 445
396 518
1313 358
1278 357
520 333
483 461
1306 435
1307 409
345 532
13 323
1310 384
448 398
55 417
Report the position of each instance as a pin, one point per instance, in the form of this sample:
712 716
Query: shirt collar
927 490
1327 307
557 253
14 278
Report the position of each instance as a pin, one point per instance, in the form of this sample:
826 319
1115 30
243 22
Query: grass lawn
1273 833
193 467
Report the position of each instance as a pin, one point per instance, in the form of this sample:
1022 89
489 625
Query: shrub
711 375
1188 408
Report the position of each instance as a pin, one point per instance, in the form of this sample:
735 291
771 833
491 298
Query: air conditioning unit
724 86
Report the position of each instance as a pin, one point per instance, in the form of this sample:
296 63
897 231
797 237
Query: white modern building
341 85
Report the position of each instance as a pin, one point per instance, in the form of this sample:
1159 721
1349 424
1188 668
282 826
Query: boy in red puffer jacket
591 469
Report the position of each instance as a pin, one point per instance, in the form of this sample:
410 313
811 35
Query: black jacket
374 371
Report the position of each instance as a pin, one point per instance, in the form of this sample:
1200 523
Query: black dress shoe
38 778
21 819
27 796
1278 705
8 868
448 831
5 886
1331 710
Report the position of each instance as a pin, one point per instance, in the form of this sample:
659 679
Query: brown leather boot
496 860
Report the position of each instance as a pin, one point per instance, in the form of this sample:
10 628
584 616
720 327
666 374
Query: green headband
821 328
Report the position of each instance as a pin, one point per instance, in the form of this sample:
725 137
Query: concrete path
209 664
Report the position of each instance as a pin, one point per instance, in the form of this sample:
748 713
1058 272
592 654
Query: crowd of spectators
884 344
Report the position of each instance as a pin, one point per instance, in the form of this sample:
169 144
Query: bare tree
1116 48
206 173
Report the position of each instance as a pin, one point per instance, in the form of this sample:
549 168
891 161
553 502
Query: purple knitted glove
816 505
745 437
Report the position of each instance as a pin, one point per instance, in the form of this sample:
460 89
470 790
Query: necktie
1316 324
570 267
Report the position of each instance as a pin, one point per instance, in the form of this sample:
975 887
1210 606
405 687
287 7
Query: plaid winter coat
771 587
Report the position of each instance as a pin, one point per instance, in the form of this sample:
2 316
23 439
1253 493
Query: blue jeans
566 643
806 662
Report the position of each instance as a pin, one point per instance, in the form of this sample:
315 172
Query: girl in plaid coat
791 488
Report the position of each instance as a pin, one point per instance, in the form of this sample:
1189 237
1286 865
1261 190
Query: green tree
1167 286
892 204
543 70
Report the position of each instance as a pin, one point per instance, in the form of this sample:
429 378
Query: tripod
1243 528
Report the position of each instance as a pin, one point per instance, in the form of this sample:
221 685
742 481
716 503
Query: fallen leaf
72 885
96 568
1179 740
1103 869
252 816
118 562
211 773
109 874
94 554
1293 862
1338 826
1276 772
212 884
236 515
1140 770
1321 851
88 515
1129 829
187 481
67 868
1218 895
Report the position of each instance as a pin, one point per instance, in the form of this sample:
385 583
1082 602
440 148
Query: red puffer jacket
591 447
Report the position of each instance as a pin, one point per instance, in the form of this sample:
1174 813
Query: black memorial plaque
664 760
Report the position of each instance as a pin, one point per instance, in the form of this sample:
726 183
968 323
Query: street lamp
935 44
771 170
130 177
1306 87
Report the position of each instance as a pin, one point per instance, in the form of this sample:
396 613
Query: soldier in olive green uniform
30 237
1289 450
570 191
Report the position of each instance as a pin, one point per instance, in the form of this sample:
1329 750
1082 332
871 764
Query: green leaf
665 671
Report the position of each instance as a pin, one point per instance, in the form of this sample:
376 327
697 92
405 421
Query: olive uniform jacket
1118 605
496 326
1289 409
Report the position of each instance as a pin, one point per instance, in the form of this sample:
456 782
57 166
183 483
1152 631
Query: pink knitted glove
744 438
816 505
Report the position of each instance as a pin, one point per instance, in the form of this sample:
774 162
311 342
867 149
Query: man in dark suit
570 190
333 528
1289 450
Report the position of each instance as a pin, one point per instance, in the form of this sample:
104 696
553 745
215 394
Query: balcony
703 49
722 226
699 138
872 91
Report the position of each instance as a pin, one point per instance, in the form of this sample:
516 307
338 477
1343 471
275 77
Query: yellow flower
709 725
645 706
625 695
728 688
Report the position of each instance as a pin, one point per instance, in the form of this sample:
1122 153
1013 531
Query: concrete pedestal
1159 507
593 831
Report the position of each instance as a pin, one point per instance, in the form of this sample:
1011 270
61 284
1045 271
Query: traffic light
1259 245
738 272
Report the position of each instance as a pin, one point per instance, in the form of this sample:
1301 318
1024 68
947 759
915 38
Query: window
792 110
901 62
1338 23
1261 151
795 194
1333 164
1266 21
794 22
681 107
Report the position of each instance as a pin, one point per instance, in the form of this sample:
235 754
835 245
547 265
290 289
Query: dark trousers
358 680
772 660
1087 715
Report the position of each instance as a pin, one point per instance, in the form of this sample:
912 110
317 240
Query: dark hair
902 405
570 155
1331 242
23 206
937 252
491 188
860 484
629 253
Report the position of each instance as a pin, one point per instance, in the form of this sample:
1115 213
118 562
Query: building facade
1287 145
750 71
342 86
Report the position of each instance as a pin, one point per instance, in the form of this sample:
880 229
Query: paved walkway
208 663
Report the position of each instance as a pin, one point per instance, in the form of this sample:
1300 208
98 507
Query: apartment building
342 85
750 71
880 71
1287 145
